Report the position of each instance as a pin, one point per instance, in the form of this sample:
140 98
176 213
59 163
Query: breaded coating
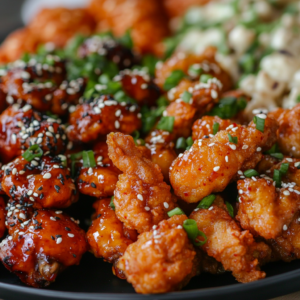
58 25
176 8
101 180
263 210
289 130
46 182
266 163
21 127
142 198
204 126
211 164
107 236
101 116
162 260
146 20
48 243
228 244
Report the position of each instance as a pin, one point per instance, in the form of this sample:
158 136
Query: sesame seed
297 164
211 208
14 171
166 205
241 192
262 116
22 216
21 233
210 145
97 110
31 199
253 178
226 158
147 208
118 113
71 235
35 194
286 193
52 218
216 168
29 193
58 212
59 240
233 147
140 197
258 149
117 124
56 166
285 228
34 163
245 147
240 172
289 159
47 176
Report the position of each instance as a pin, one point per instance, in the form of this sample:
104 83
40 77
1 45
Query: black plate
93 278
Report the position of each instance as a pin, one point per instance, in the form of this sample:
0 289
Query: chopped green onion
173 79
232 139
205 77
162 102
126 39
298 99
191 228
53 116
181 143
277 155
250 173
195 70
260 123
175 211
74 157
277 178
32 152
88 159
284 168
111 204
216 127
137 140
166 123
186 97
206 202
189 143
230 209
274 149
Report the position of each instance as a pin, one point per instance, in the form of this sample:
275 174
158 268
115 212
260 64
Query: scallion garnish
32 152
232 139
88 159
175 211
205 77
284 168
191 228
277 178
260 123
173 79
250 173
216 127
189 143
206 202
186 97
277 155
195 70
111 204
74 157
230 209
166 123
181 143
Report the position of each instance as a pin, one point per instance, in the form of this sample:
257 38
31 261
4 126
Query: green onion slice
189 143
181 143
277 178
277 155
191 228
216 127
260 123
205 77
232 139
166 123
230 209
32 152
173 79
195 70
88 159
186 97
111 204
250 173
284 168
206 202
175 211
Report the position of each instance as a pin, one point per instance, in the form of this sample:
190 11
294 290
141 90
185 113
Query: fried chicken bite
289 130
212 163
266 163
58 25
44 181
101 180
21 127
142 199
263 210
48 243
146 20
227 243
162 260
107 236
101 116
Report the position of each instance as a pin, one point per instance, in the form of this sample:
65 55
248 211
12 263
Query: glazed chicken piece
266 163
108 237
211 164
227 243
142 198
263 210
101 180
21 127
146 20
103 115
48 243
176 8
162 260
181 61
289 130
44 181
204 127
161 145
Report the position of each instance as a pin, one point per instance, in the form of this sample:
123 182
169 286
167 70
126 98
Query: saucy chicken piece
263 210
204 126
176 8
142 199
101 180
101 116
44 182
146 20
212 163
227 243
162 260
289 130
58 25
21 127
49 242
108 237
